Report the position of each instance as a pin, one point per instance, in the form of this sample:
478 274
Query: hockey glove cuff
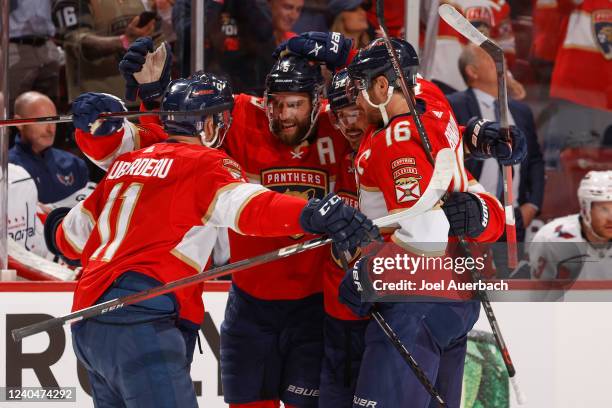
344 224
467 213
356 286
52 222
485 140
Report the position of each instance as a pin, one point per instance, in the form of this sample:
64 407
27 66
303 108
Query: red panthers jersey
346 188
393 171
308 171
583 68
157 212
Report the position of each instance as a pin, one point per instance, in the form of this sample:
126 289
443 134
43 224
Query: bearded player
578 246
141 354
271 339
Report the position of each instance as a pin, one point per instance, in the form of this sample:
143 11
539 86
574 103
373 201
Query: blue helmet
374 60
200 90
337 92
294 73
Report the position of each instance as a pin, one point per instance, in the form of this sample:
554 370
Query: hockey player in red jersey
393 169
344 331
141 354
272 335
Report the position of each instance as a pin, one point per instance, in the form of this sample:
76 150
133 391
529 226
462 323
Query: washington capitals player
578 246
140 355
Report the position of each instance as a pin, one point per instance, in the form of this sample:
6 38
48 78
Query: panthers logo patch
601 21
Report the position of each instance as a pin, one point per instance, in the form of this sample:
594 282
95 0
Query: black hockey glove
329 47
355 286
484 140
147 79
344 224
86 108
53 221
468 214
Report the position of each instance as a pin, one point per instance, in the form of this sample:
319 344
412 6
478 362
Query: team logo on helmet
602 29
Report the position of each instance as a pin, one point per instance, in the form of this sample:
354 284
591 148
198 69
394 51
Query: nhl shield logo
602 29
66 180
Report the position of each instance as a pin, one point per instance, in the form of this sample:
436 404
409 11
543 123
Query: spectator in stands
57 174
314 17
581 81
490 17
34 59
480 100
351 20
235 32
163 8
95 34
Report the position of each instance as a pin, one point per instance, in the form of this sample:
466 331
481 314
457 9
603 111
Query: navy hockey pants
436 334
344 342
272 349
137 356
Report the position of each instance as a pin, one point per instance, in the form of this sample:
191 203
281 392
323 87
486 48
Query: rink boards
561 350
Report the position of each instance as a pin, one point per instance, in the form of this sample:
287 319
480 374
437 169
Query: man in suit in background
480 100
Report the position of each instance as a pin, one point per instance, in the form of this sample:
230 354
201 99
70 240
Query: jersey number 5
128 200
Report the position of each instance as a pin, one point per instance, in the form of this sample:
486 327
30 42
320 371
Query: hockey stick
443 173
130 114
399 346
409 96
466 29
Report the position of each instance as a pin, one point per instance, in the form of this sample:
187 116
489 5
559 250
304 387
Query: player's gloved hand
147 73
356 284
329 47
344 224
86 108
467 213
485 141
52 222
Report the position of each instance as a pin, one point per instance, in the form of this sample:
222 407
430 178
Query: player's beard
293 135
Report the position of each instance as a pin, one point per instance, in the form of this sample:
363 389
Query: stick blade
456 20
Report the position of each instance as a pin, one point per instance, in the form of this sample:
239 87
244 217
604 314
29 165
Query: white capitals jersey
24 226
559 251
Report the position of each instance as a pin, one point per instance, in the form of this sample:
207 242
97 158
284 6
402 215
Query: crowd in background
559 55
